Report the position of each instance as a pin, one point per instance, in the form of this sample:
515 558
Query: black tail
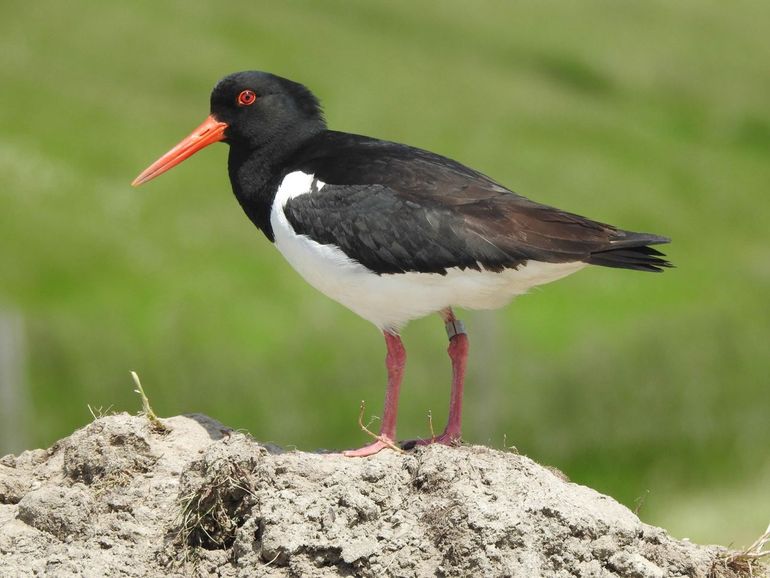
632 251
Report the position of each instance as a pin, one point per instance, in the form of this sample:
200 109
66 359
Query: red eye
247 98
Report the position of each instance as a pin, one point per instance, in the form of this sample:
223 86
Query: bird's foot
381 441
446 438
373 448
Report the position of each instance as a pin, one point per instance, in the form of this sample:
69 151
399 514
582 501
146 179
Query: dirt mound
121 498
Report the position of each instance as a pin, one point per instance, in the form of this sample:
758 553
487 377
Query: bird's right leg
458 354
395 360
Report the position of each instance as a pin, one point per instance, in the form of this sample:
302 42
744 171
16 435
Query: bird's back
419 211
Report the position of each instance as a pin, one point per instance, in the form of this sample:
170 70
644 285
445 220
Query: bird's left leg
458 354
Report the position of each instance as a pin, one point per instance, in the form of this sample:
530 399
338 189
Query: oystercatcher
391 231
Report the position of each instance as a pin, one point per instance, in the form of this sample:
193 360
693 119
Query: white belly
391 301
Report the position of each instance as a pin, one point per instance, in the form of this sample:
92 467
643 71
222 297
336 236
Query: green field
651 115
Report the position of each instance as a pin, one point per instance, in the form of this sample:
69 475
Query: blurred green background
651 115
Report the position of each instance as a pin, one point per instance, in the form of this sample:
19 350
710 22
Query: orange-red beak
209 132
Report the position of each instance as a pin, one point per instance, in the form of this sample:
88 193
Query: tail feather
632 251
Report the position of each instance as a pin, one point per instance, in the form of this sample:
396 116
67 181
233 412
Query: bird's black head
250 111
261 108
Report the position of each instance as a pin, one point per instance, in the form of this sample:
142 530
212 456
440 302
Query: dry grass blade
750 562
366 430
99 412
157 425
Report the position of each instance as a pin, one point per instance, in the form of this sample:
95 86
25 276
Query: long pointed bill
209 132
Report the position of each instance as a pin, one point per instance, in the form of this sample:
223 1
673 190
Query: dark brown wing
395 208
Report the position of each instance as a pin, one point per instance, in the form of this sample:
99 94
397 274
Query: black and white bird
392 232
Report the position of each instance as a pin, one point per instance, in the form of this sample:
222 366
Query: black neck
256 174
254 183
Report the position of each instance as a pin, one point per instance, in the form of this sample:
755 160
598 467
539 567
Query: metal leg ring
454 327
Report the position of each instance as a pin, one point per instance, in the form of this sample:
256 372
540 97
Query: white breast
390 301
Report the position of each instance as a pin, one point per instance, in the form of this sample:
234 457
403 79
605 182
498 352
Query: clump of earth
125 497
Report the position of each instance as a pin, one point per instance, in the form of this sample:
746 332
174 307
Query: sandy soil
121 498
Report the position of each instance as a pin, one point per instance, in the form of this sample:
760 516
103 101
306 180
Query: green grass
647 114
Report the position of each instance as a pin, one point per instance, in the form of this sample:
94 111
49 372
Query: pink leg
395 360
458 353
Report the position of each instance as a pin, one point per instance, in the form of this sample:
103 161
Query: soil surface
120 497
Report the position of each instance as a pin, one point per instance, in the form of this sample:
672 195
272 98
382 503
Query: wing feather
394 208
